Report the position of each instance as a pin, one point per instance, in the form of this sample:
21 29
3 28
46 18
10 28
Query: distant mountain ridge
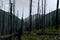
6 29
50 19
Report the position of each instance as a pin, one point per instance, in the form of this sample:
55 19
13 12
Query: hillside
50 19
47 34
4 17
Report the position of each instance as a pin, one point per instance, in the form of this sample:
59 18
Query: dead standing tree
42 16
10 17
44 10
14 21
57 14
37 23
2 19
49 18
30 18
57 17
17 21
20 31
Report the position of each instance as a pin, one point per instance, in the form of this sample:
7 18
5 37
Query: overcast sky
24 5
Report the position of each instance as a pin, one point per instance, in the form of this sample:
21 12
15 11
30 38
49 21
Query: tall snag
57 7
57 14
37 24
44 10
17 24
13 18
30 16
20 31
10 17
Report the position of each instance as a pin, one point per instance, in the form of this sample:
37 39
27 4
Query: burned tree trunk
57 17
42 16
57 14
17 25
10 17
37 24
30 16
44 10
20 31
14 21
10 20
49 19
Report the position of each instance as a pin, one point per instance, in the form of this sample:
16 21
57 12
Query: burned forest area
40 24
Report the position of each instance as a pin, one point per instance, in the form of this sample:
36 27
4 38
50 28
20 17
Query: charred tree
17 21
57 14
49 18
57 17
37 19
42 15
14 7
30 19
44 10
30 16
14 21
42 18
10 17
20 31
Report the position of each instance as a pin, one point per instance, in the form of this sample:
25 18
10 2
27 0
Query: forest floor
47 33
